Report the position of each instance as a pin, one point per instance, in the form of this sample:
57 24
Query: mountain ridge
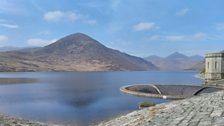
75 52
175 61
176 55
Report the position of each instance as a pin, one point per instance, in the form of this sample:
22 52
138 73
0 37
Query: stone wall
214 67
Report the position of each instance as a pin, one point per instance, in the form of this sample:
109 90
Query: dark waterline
80 97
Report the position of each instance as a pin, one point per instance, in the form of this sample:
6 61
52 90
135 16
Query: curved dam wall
167 91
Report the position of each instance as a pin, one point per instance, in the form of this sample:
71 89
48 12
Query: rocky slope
76 52
13 121
199 66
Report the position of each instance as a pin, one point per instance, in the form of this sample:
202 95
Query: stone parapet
211 55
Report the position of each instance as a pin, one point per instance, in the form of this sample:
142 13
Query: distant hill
12 48
175 61
76 52
176 55
199 66
9 48
197 57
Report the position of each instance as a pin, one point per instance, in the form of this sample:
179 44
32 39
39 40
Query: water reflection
17 80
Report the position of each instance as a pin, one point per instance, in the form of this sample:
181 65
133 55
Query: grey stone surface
204 110
12 121
214 68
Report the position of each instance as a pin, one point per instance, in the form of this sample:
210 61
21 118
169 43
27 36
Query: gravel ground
12 121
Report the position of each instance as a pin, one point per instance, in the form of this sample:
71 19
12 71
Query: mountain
199 66
9 48
76 52
197 57
176 55
175 61
12 48
153 57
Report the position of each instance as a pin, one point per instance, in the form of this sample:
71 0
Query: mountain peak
76 37
176 55
79 34
73 42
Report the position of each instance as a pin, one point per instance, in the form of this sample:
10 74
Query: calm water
80 97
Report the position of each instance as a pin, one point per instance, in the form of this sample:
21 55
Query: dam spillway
167 91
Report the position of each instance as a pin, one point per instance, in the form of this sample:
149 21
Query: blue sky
137 27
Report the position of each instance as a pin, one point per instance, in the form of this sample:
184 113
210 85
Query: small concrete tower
214 67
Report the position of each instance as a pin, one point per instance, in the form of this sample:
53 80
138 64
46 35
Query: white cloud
175 38
12 7
60 15
179 38
153 38
219 26
40 42
143 26
199 36
12 26
183 12
7 24
46 32
3 38
70 16
90 21
53 15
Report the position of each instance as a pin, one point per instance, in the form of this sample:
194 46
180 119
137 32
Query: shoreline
200 76
11 121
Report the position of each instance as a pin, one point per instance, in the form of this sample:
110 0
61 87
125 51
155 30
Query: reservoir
80 98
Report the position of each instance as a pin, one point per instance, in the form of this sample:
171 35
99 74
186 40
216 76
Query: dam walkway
203 110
